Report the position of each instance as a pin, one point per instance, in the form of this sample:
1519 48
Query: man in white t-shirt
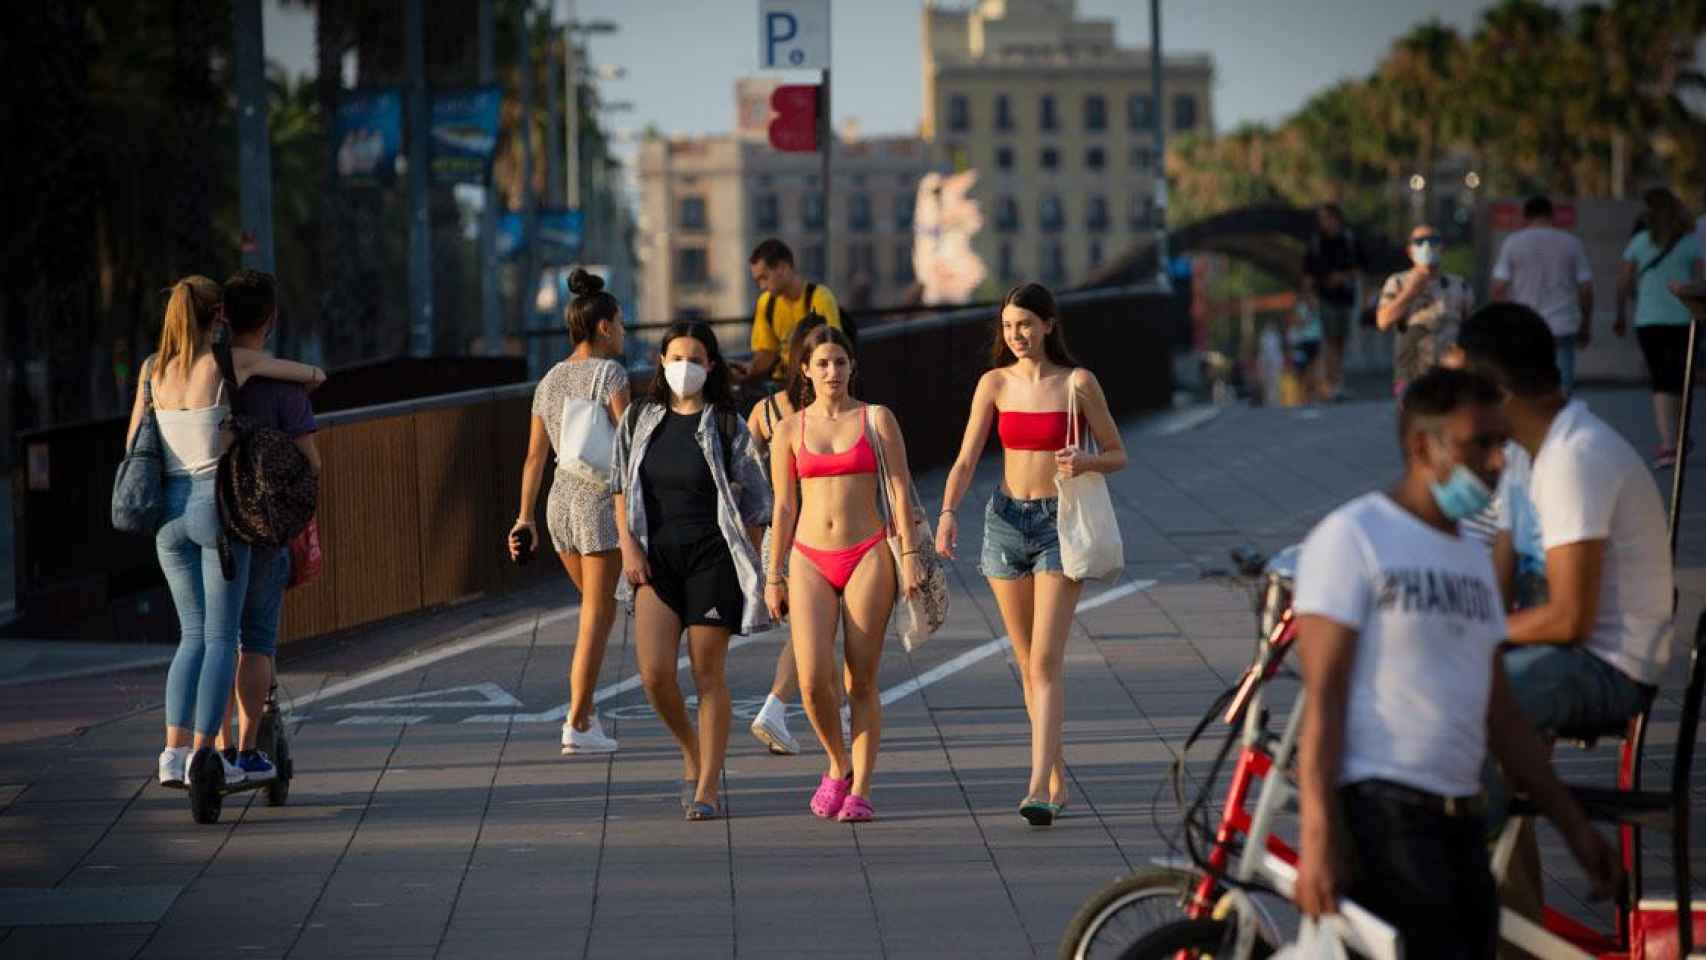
1403 694
1591 655
1546 269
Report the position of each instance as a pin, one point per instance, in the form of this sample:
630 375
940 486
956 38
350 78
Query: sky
682 57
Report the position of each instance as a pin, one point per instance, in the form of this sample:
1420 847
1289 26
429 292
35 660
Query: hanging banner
464 134
369 135
557 236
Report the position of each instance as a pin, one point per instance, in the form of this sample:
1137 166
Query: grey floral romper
581 516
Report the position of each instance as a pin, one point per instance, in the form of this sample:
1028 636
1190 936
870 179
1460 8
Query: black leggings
1666 348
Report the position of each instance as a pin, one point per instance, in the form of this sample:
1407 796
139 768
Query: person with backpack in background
184 386
1666 252
691 500
251 314
579 512
784 299
770 726
1331 263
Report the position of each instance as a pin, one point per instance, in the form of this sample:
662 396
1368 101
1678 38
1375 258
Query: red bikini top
857 459
1021 430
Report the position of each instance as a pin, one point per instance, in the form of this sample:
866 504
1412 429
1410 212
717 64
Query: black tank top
680 496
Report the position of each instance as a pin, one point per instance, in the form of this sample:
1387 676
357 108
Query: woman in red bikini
1025 399
834 527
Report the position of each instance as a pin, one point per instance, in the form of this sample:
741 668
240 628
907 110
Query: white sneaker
773 733
590 740
174 766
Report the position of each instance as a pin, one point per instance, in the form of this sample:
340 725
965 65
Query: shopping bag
1090 544
586 440
1317 939
305 557
922 614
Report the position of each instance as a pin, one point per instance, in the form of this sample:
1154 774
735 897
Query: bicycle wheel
1182 938
1121 913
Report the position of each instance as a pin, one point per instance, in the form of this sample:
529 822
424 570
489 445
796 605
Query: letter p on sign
793 34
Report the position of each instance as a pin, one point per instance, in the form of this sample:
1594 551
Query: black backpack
267 491
847 325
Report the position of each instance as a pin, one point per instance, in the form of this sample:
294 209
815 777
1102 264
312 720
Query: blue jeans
1563 688
269 575
1566 354
209 606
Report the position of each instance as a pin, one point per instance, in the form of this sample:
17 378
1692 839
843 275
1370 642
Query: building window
1004 262
1052 255
1006 214
1096 213
692 213
1142 159
1050 158
1095 113
1046 118
1095 158
905 204
1003 113
1140 111
1095 251
1004 158
812 263
1051 215
862 262
1184 112
859 212
1142 211
811 210
691 267
766 212
903 264
959 113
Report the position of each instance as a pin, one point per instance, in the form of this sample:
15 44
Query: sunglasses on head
1430 240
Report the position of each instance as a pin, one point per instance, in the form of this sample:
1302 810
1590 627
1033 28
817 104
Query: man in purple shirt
251 311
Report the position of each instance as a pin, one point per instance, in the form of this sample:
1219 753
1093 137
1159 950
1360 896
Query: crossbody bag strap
1662 255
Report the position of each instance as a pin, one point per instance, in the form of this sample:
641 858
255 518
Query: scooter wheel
278 791
207 786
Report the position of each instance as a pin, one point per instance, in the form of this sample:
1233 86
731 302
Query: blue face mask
1462 495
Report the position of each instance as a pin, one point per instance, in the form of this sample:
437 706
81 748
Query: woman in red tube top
833 525
1025 399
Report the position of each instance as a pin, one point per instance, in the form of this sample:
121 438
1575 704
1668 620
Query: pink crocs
856 809
831 794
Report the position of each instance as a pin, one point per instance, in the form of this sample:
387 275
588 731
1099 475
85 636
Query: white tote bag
1316 940
586 439
1090 544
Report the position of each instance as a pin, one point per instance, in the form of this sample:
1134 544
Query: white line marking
474 642
942 671
1188 419
75 673
381 718
490 695
561 711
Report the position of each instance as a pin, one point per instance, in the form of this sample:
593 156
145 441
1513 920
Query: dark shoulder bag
139 487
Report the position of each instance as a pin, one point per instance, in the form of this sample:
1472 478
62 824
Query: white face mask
1425 254
685 377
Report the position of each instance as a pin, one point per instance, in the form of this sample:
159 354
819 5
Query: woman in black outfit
691 499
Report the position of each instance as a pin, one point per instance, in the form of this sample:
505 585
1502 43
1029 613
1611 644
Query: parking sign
793 34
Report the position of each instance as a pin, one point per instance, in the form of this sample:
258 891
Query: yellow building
1056 120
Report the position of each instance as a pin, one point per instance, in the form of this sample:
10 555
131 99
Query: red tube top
857 459
1022 430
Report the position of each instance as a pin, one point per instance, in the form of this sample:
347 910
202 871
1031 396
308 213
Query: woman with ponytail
579 513
191 401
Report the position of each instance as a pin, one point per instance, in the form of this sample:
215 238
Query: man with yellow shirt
785 297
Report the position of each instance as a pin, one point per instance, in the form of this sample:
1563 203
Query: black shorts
694 575
1666 348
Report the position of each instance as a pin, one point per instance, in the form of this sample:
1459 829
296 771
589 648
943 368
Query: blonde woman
1026 398
843 573
580 514
191 401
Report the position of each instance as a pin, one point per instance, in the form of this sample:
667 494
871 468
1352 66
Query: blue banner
369 135
464 134
557 236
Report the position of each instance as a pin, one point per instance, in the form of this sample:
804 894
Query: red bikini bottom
837 566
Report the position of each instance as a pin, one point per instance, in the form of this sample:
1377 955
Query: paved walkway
432 816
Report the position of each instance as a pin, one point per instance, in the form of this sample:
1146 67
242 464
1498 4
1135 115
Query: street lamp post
1158 114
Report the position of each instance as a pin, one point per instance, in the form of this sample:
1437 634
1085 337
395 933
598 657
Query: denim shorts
1020 537
269 575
